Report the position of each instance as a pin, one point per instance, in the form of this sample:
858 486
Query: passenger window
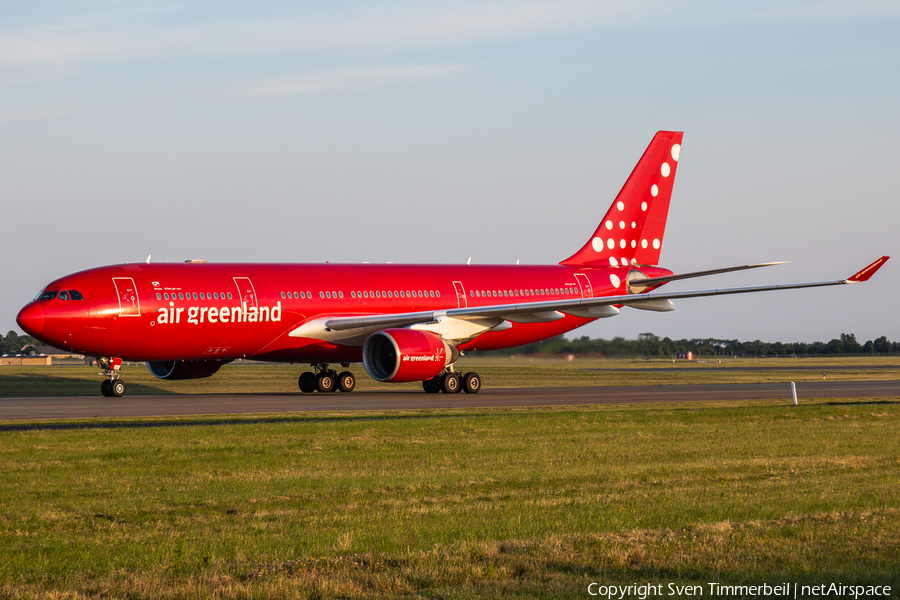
229 295
166 295
438 293
282 295
340 294
158 296
63 295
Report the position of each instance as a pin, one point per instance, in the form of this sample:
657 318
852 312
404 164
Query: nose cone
31 319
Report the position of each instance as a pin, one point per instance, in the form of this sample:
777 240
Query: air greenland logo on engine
438 356
219 314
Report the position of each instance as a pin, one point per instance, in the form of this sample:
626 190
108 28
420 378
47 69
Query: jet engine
184 369
398 355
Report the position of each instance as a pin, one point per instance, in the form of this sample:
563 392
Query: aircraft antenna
148 258
469 262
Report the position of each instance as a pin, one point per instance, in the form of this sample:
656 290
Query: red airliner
403 322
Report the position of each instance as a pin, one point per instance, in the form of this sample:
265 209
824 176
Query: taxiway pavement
86 407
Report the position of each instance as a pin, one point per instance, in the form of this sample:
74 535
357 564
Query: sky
431 132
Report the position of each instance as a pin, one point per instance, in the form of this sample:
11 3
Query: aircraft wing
552 310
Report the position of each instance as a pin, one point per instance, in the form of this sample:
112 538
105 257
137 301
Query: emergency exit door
129 303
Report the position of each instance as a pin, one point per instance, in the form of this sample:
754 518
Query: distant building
33 356
25 361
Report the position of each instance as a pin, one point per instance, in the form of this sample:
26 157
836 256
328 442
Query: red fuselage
158 312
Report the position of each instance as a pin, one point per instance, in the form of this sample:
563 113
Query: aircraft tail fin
632 229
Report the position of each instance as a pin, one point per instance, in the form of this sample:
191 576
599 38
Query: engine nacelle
399 355
184 369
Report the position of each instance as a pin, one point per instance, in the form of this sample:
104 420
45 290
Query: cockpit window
63 295
47 296
75 295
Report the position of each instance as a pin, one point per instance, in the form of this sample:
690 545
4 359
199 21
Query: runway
86 407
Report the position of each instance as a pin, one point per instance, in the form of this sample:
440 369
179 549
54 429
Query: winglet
866 273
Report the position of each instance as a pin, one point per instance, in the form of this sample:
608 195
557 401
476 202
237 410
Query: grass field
454 504
254 378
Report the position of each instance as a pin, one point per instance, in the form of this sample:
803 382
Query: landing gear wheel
346 381
117 388
104 388
432 386
325 383
471 383
307 382
450 383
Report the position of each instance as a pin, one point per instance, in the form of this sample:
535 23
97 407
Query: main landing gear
453 382
326 380
112 386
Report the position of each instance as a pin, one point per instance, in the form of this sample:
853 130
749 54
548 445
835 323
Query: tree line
646 345
652 346
12 343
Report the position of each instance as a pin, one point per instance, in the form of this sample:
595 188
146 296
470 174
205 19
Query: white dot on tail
610 243
676 152
622 243
643 243
654 190
614 279
643 206
597 244
633 224
633 243
613 261
620 205
665 169
634 261
609 224
656 244
621 224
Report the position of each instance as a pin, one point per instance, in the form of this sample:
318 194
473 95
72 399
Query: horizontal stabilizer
641 284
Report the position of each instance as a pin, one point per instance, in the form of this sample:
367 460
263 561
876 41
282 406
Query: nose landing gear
112 386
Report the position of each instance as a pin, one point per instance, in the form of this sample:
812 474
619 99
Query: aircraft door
246 293
126 291
585 284
461 301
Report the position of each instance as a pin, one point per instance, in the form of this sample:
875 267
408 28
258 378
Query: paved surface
712 366
83 407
